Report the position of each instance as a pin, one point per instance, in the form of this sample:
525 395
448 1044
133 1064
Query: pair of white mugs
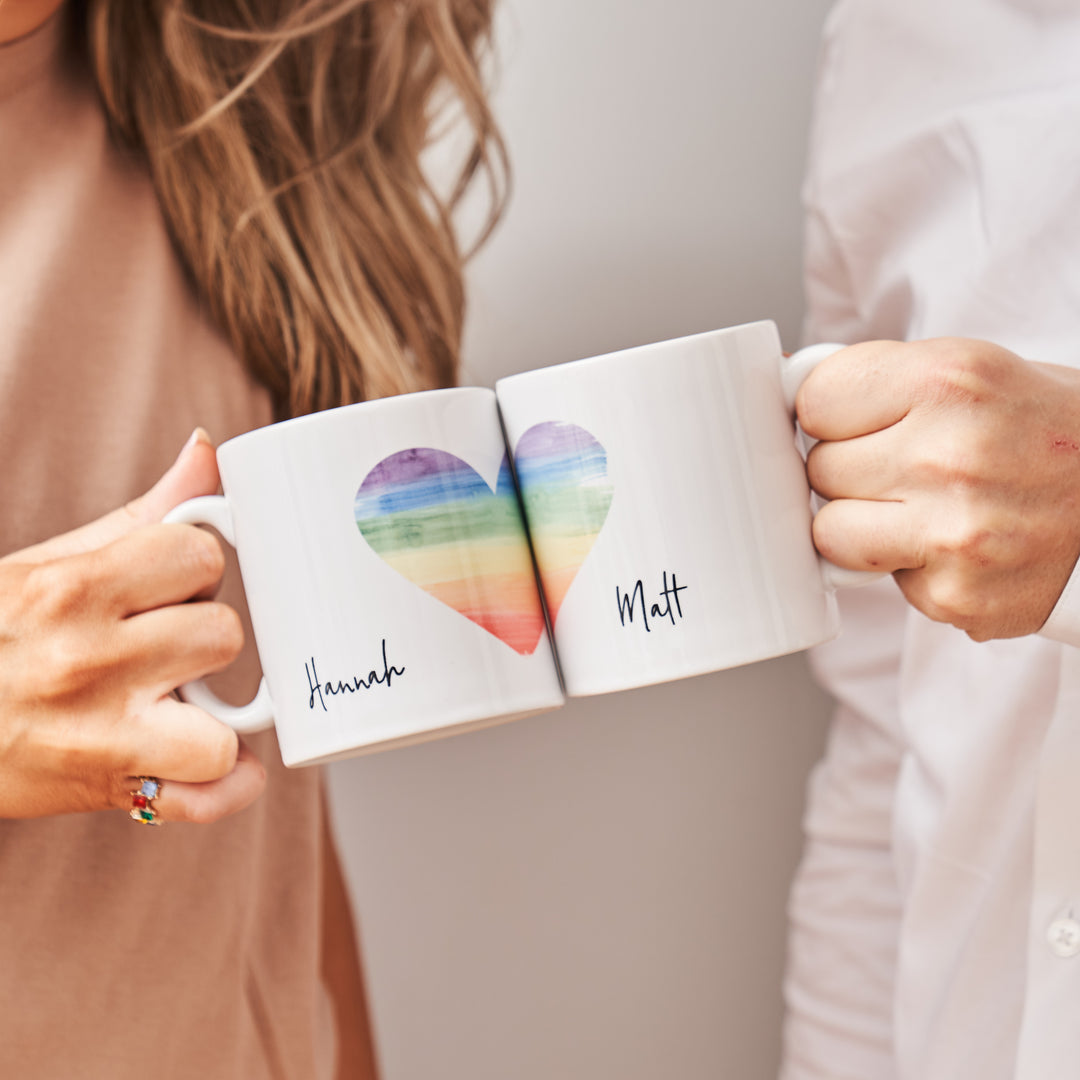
420 565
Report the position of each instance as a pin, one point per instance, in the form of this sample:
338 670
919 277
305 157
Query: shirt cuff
1064 622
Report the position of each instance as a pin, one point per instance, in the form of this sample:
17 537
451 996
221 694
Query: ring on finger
142 801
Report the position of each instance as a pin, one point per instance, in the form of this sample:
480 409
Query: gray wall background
598 894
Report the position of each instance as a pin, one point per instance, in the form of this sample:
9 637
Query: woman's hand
954 464
96 630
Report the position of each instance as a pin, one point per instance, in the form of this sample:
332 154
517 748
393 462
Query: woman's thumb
193 473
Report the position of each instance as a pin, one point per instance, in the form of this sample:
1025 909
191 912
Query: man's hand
955 465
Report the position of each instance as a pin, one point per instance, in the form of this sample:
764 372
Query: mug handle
257 714
793 372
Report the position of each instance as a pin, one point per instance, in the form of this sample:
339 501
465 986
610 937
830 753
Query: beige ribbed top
187 951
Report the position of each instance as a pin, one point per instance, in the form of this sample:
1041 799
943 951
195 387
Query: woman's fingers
193 473
155 566
173 645
180 741
209 801
89 766
165 565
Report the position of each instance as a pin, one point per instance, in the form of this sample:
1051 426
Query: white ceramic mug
668 507
387 572
390 580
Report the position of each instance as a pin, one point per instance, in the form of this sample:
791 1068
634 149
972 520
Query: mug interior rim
395 401
639 351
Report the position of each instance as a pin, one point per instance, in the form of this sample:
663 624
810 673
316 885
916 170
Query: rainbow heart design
435 520
565 490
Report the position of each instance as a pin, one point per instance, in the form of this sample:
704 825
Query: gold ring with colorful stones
142 799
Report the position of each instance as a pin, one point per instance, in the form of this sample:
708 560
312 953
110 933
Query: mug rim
638 350
394 401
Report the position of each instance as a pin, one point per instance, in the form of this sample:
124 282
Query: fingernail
199 435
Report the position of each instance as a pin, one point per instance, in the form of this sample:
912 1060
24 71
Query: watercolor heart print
563 476
433 519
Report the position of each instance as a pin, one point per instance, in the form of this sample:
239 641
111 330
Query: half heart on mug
563 475
433 518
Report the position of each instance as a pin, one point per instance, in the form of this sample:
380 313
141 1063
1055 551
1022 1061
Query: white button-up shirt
936 915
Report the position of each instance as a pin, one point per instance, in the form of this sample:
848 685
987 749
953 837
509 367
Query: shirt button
1064 937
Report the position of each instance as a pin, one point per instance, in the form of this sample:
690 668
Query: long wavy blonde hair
286 141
